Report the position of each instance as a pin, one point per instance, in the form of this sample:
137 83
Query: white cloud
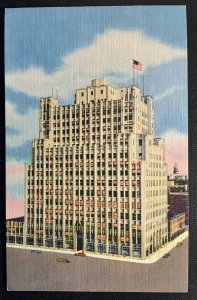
176 146
172 90
25 127
111 51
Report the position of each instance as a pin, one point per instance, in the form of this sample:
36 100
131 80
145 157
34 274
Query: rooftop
17 219
173 215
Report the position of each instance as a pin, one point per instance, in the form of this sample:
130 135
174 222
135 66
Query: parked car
62 260
166 255
35 251
80 254
179 244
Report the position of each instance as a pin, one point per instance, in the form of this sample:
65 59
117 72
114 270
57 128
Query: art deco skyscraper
98 179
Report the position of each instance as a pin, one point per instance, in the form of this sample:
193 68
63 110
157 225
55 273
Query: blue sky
61 31
67 47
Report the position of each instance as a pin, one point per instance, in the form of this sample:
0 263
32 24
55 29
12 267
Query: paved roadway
41 272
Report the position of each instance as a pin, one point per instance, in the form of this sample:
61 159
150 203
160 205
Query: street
28 271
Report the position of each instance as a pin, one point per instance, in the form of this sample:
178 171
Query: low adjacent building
176 225
14 230
179 203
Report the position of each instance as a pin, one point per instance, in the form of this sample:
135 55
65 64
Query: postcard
96 149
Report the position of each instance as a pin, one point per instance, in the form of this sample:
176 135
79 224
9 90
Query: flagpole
133 75
143 84
137 66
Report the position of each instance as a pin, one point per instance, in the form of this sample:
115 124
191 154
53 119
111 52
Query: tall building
98 179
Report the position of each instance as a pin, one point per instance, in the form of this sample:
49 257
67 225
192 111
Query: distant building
176 179
176 225
178 198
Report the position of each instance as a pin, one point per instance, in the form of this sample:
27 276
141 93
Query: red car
80 254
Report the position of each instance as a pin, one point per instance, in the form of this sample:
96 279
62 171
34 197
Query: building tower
98 180
176 170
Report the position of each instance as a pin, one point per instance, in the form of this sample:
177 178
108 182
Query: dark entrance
79 232
79 242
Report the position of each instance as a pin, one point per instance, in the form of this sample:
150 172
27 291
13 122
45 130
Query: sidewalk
153 258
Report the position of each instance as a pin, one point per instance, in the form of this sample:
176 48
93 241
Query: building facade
179 203
176 225
98 179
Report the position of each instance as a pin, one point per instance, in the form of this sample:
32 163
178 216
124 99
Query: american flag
137 65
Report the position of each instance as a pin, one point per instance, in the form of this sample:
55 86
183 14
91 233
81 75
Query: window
101 91
140 142
82 94
91 92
